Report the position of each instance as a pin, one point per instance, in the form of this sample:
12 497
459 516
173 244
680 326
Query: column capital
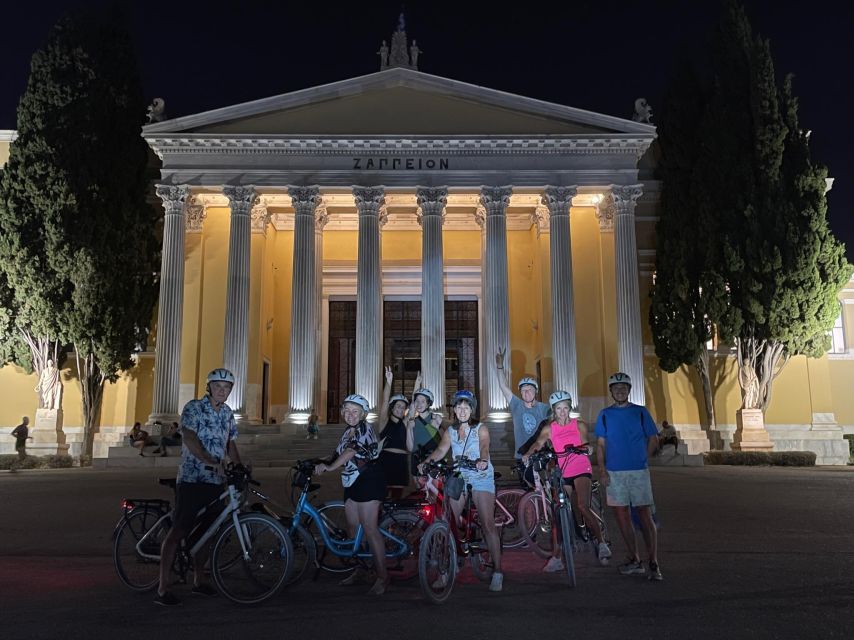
240 198
173 196
304 199
260 214
624 197
495 199
431 201
558 199
196 212
370 201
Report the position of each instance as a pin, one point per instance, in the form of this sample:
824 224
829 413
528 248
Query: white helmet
619 378
221 375
355 398
530 381
560 396
426 393
398 398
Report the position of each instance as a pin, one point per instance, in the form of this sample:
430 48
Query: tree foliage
80 241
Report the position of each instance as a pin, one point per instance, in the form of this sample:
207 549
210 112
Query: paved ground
747 553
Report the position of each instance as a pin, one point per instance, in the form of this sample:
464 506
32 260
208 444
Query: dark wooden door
342 356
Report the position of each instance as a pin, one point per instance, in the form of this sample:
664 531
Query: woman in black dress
394 458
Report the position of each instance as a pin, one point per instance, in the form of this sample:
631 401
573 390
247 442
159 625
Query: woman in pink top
577 473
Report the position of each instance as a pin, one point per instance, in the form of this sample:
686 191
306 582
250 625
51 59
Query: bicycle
327 524
446 543
252 553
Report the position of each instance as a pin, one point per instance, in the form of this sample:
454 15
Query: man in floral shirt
208 434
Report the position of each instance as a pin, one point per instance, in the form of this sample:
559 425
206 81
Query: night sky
595 55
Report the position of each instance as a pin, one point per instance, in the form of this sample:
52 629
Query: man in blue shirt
208 434
627 436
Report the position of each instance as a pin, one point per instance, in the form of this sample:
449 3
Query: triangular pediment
398 102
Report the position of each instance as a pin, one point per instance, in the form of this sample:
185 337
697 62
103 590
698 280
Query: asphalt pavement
746 553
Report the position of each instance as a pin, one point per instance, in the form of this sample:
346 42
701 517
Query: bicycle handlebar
437 467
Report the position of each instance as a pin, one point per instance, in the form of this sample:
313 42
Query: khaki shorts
629 488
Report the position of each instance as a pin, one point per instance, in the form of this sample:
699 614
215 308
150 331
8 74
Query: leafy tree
773 267
83 238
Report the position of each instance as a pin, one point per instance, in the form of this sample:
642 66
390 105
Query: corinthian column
303 353
321 217
236 347
559 200
496 313
431 202
167 352
621 202
369 204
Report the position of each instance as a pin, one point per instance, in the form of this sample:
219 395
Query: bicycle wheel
263 570
535 520
507 516
136 572
305 554
407 526
332 514
567 533
437 562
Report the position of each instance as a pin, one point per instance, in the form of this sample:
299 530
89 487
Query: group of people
375 463
140 438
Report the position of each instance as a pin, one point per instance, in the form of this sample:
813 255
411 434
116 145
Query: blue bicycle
333 536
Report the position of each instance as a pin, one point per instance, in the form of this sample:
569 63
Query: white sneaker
553 565
604 554
497 581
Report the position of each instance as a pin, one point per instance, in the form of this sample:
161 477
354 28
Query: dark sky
595 55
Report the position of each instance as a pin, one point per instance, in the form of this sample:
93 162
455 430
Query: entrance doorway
342 356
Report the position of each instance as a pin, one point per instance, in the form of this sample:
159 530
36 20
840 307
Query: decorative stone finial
156 111
400 54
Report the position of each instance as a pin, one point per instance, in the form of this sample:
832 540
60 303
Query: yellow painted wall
402 247
340 246
194 248
213 291
521 257
4 156
461 247
282 275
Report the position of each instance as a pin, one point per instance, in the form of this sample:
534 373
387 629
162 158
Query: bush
11 462
761 458
59 462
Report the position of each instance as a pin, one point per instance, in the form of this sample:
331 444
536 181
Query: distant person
311 428
139 438
22 434
668 435
171 438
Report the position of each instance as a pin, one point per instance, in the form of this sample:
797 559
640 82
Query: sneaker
553 565
604 553
357 577
497 581
167 599
632 568
655 572
204 590
379 587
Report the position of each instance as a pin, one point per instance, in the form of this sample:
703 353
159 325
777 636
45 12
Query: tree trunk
92 390
42 349
767 358
702 366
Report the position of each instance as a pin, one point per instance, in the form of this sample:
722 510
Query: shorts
629 488
369 485
480 481
192 497
571 481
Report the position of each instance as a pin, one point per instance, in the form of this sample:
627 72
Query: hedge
759 458
11 461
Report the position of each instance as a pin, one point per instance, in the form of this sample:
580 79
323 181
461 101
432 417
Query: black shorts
369 485
192 497
571 481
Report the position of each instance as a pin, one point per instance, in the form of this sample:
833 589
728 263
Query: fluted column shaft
236 344
623 201
369 205
167 356
303 356
320 220
559 200
494 201
431 202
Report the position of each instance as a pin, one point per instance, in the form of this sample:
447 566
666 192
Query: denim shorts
629 488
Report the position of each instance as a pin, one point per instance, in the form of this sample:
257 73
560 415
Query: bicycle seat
167 482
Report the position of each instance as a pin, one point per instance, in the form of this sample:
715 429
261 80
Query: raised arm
442 450
539 443
501 376
389 376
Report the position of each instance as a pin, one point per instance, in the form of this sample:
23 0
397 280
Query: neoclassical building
408 220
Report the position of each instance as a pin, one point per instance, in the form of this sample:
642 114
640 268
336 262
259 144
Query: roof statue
156 111
643 111
400 54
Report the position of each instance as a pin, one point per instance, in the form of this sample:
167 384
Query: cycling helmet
618 378
221 375
530 381
397 398
560 396
355 398
465 396
426 393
